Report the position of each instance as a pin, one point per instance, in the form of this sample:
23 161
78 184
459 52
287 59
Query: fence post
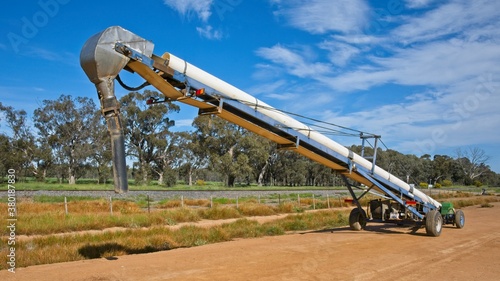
279 199
211 202
149 211
65 205
182 201
237 197
111 205
298 198
314 203
328 201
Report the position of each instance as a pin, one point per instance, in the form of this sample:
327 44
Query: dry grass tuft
219 213
255 209
197 202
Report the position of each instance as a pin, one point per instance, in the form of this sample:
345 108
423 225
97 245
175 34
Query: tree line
67 139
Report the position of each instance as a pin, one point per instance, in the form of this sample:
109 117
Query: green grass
86 185
59 199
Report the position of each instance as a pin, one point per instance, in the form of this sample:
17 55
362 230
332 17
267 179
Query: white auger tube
232 92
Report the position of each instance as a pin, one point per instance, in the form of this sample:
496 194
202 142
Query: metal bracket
290 146
375 148
212 110
350 161
353 195
133 54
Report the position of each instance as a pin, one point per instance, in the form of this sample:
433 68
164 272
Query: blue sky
424 74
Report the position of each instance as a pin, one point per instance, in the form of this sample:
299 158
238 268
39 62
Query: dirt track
382 252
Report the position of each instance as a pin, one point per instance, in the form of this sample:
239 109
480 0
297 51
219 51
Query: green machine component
447 208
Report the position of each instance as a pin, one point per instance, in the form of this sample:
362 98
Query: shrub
423 184
169 178
478 183
447 183
438 185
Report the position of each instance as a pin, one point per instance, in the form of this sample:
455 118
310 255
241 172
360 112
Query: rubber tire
459 219
433 223
357 219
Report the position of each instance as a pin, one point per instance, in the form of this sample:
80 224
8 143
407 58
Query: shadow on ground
385 229
378 229
109 250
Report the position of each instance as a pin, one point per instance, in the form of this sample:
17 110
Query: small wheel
357 219
459 219
433 223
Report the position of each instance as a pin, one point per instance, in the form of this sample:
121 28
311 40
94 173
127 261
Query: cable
133 89
383 144
307 118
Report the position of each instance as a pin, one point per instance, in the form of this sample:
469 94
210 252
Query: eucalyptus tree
472 162
19 145
233 152
21 139
147 132
100 154
220 141
65 125
169 156
192 154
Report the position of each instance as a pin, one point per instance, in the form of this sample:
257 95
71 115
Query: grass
478 200
46 215
92 185
36 218
444 194
59 199
52 249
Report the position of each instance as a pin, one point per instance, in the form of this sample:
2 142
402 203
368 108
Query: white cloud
263 88
460 115
266 71
189 7
358 39
339 53
416 4
280 55
43 54
446 52
321 16
283 96
449 19
435 64
294 61
50 55
209 32
443 51
425 126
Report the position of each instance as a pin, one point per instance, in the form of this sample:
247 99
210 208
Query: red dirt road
382 252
